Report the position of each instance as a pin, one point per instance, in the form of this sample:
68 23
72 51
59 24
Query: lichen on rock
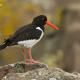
23 71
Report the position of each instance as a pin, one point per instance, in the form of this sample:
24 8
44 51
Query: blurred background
57 48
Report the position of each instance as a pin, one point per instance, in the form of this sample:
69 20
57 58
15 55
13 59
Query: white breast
30 43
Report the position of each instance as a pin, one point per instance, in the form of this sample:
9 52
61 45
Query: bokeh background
57 48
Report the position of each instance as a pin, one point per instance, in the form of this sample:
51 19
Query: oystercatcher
29 35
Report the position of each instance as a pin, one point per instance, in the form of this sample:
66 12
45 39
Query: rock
40 71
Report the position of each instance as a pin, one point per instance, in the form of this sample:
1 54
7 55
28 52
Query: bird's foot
31 61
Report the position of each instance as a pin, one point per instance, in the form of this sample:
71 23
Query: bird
28 35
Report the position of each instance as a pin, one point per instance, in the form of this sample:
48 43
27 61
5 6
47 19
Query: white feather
30 43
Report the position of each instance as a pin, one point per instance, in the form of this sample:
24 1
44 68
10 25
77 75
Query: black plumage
27 32
28 35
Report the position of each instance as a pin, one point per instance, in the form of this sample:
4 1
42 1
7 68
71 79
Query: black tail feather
6 43
2 46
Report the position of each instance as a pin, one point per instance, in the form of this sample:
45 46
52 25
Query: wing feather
25 33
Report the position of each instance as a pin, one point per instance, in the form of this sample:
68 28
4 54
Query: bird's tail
2 46
5 44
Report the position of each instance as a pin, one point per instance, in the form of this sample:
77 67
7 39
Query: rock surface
23 71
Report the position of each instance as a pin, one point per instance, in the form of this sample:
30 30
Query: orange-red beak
52 25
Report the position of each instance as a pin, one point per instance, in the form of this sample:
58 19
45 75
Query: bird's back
25 33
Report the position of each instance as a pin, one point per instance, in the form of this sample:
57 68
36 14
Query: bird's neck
39 25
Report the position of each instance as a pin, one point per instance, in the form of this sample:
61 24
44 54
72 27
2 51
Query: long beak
52 25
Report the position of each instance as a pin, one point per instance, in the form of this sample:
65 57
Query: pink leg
29 54
29 59
24 51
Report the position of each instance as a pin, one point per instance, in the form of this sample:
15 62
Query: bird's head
41 20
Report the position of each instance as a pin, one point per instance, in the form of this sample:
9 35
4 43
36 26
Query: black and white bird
28 35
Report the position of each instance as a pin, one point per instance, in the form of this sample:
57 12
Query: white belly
30 43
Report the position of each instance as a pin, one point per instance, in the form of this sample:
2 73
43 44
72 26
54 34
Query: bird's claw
31 61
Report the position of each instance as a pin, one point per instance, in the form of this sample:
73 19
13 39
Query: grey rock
23 71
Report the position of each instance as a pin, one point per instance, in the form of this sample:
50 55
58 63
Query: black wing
24 33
